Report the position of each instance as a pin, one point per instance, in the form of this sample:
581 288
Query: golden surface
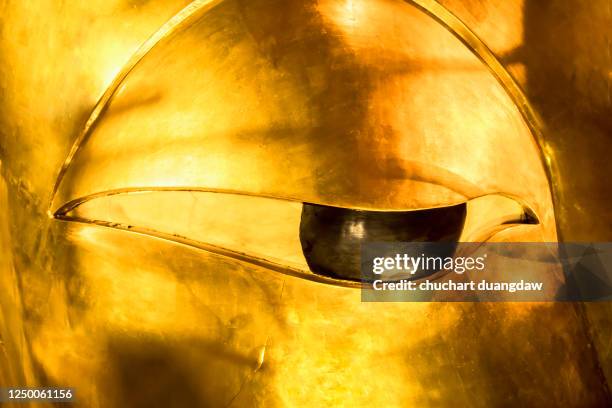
361 104
268 109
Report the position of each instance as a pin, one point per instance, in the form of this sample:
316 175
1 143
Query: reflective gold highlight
155 294
180 19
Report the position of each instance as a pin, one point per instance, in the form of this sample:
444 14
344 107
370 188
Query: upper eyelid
76 202
72 204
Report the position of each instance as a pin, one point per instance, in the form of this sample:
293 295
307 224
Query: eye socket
332 237
312 241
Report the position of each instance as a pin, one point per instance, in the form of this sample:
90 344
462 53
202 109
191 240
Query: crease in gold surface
179 20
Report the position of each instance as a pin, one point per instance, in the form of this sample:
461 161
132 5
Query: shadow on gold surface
205 130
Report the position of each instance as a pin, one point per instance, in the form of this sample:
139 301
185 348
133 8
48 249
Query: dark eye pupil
331 237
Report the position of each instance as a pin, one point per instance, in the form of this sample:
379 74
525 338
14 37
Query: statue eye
332 237
311 241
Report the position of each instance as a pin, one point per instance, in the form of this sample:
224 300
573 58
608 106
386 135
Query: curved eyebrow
477 46
417 171
179 20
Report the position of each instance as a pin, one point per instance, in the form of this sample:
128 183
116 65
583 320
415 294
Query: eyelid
72 204
136 212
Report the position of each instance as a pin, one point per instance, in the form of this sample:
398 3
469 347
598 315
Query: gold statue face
173 270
